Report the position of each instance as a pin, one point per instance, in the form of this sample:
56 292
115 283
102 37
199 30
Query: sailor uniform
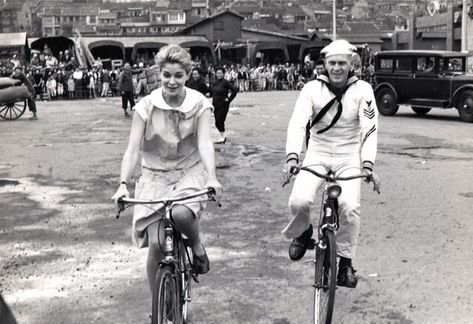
342 137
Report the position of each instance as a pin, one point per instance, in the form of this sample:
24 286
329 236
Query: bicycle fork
328 222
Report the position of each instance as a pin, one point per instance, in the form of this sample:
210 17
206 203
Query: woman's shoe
221 141
201 263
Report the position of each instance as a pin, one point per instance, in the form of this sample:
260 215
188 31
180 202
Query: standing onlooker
51 87
91 83
243 77
60 80
84 83
15 61
196 82
142 81
46 50
125 86
105 82
319 68
114 81
34 62
77 75
38 83
71 85
61 58
220 91
17 74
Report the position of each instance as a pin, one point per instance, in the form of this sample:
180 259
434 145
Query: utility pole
334 20
465 17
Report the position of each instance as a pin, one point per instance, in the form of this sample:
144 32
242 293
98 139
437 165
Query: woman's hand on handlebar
373 177
214 184
121 192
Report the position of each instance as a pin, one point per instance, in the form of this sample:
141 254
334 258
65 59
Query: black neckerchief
338 97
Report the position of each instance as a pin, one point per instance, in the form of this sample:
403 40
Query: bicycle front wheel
186 278
166 297
325 279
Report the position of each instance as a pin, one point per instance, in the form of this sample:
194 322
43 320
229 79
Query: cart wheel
12 111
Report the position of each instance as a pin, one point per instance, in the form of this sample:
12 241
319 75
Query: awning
147 45
13 40
106 42
130 41
272 46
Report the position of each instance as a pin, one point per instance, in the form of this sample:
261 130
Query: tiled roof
80 11
258 24
361 27
52 12
15 6
180 4
107 15
210 18
108 28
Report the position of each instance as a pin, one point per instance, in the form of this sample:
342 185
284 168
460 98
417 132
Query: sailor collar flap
186 110
338 98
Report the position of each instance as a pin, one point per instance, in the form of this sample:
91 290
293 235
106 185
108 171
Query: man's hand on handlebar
291 167
373 177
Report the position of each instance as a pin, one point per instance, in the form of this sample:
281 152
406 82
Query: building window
219 25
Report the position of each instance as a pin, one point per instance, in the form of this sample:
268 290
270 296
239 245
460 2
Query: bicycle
325 259
172 291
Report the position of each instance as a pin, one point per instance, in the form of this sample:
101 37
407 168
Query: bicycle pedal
311 244
195 277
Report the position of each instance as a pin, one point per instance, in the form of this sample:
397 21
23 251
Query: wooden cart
13 99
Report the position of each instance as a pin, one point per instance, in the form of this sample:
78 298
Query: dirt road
65 259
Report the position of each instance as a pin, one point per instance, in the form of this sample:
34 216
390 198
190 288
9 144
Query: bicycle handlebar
210 192
331 176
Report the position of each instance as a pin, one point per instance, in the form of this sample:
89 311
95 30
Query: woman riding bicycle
171 132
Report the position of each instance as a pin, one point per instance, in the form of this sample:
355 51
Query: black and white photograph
236 161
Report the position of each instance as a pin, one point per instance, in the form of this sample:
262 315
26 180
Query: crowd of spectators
62 78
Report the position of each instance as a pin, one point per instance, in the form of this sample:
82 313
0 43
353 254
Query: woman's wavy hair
174 54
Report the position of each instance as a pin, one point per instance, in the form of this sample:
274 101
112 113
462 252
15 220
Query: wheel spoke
1 111
17 111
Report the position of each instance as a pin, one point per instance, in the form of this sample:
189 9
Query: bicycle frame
177 257
328 218
325 256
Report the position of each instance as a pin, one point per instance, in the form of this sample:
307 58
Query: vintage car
423 79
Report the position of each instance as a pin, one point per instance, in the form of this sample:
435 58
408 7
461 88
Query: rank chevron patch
369 111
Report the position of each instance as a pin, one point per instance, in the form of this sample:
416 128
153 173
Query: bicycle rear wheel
166 297
325 279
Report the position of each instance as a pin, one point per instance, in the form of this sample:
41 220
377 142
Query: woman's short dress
171 163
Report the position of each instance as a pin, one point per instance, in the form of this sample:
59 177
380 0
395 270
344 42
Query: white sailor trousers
304 192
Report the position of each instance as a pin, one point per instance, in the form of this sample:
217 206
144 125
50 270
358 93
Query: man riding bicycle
344 123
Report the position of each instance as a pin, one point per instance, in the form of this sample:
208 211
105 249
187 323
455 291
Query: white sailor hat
338 47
